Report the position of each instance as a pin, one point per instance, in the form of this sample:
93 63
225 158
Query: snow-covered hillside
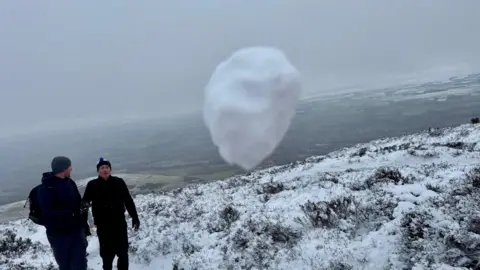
397 203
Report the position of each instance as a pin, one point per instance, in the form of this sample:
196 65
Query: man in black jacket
109 196
62 212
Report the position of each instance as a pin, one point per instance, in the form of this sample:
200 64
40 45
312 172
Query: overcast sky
85 61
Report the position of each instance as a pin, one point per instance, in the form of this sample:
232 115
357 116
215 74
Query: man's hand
136 224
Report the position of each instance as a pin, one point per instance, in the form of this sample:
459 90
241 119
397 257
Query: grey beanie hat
60 164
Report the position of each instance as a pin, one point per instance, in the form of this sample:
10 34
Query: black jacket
109 199
60 203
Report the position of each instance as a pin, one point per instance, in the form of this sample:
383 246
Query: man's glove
135 224
84 208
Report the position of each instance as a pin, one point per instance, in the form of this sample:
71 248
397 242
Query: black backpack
35 213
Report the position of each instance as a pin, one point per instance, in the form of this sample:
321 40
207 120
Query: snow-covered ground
440 90
398 203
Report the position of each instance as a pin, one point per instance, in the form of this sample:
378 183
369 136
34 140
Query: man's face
68 171
104 171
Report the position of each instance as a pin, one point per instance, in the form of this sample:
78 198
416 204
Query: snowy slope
399 203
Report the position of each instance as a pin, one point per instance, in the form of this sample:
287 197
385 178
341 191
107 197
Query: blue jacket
60 203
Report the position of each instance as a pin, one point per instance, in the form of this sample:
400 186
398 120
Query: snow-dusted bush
226 217
433 187
13 246
272 188
435 132
386 175
473 177
327 214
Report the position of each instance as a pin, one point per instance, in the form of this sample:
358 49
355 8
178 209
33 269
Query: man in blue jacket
63 216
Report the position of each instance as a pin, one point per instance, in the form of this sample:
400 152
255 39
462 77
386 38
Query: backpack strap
29 199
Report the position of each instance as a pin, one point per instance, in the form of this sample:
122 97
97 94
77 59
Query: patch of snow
440 95
249 103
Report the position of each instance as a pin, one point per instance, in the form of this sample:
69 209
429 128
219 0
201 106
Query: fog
67 64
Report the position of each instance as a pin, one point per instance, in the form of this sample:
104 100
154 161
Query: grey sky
72 62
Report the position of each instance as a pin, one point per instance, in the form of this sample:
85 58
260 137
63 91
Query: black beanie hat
102 162
60 164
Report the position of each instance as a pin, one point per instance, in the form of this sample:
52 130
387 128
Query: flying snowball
249 103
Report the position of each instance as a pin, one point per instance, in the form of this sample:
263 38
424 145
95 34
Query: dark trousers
69 250
113 242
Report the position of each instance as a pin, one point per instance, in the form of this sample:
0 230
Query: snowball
249 103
